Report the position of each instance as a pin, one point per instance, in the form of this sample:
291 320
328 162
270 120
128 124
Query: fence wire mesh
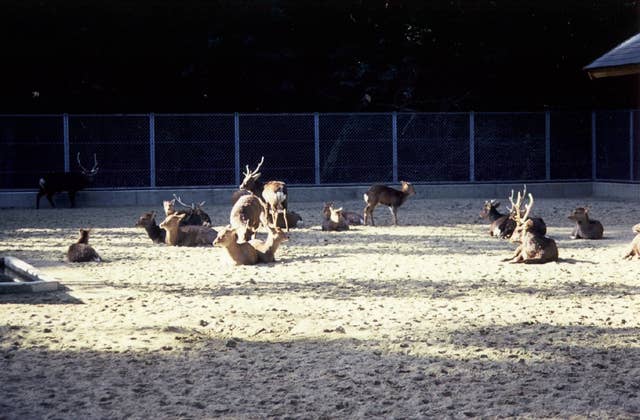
30 146
196 150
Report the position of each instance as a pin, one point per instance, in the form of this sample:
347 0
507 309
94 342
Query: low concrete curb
35 281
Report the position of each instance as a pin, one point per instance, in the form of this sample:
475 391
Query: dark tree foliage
295 56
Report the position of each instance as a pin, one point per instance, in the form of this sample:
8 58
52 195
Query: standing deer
189 235
81 251
585 228
71 182
274 193
634 250
534 248
266 250
240 253
381 194
246 216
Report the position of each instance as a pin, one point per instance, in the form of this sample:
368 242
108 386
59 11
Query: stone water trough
16 276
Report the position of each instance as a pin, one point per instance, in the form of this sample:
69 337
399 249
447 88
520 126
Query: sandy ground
416 321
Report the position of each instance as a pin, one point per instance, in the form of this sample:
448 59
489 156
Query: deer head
250 177
84 170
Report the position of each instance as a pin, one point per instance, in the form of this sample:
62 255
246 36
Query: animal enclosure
418 320
165 150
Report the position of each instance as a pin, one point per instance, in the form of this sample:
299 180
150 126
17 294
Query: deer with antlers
516 208
71 182
274 193
194 215
535 247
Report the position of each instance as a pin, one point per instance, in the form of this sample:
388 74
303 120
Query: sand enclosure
420 320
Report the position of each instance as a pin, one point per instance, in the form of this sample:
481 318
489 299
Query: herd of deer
258 203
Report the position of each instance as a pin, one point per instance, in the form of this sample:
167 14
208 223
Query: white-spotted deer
71 182
381 194
535 247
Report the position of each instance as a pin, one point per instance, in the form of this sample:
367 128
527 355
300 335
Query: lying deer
516 208
189 235
240 253
381 194
502 225
274 193
194 213
333 219
246 216
351 217
71 182
81 251
267 249
585 228
634 250
534 248
148 222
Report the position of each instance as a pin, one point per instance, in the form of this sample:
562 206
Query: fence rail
174 150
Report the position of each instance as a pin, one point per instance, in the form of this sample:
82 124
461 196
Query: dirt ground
422 320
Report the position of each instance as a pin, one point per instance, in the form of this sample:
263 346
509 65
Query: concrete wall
106 198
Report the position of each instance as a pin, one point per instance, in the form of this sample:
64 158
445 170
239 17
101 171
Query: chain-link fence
168 150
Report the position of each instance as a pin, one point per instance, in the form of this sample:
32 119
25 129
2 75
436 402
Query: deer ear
181 216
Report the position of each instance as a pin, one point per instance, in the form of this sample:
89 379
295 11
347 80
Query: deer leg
50 198
286 222
368 214
40 194
394 214
72 198
515 255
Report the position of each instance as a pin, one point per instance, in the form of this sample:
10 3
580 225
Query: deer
535 247
240 253
267 249
148 222
585 228
194 213
81 251
634 249
502 225
291 220
71 182
538 224
274 193
351 217
382 194
333 219
189 235
246 216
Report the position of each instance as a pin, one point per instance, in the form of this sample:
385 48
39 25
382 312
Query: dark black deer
585 228
381 194
71 182
81 251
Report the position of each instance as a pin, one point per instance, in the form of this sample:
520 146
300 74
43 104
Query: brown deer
585 228
71 182
634 250
291 220
267 249
381 194
148 222
351 217
514 214
81 251
246 216
189 235
535 247
333 219
194 213
502 225
240 253
274 193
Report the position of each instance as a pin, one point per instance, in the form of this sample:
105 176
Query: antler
528 208
95 164
182 204
80 164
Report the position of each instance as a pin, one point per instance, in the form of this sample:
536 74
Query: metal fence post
65 139
394 145
547 145
316 147
472 147
631 145
152 150
236 145
594 173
